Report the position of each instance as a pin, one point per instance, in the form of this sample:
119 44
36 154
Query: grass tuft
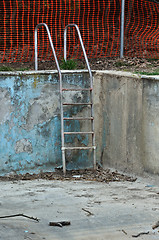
147 73
5 68
68 64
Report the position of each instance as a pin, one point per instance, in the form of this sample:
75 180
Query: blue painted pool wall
30 128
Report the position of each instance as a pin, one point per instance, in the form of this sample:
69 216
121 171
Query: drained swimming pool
126 121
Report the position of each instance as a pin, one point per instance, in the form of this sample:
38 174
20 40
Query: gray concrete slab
118 210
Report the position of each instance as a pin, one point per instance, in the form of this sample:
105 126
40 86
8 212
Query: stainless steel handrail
60 79
90 75
82 45
36 45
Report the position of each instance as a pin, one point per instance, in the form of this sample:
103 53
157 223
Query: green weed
148 73
5 68
68 64
22 69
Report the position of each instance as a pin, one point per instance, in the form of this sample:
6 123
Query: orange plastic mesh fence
141 29
98 21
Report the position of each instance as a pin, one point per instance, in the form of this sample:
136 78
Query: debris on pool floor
99 175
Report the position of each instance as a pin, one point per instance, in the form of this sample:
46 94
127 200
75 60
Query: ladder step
80 148
78 118
77 89
69 133
77 104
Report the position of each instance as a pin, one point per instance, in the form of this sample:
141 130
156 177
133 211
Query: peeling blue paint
25 96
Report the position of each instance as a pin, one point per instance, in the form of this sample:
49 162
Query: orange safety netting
141 29
98 21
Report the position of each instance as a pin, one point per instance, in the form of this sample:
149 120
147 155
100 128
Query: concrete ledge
47 72
152 77
41 72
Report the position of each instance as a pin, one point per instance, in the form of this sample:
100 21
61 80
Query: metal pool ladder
62 104
91 118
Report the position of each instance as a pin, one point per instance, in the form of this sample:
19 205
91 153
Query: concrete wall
126 121
30 122
128 131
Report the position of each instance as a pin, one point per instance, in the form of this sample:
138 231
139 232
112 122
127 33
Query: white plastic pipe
122 29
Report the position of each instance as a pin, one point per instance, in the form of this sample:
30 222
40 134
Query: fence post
122 29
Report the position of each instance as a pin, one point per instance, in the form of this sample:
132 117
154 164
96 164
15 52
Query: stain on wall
5 105
151 125
120 110
127 121
23 145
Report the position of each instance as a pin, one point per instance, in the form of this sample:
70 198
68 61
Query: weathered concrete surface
30 128
127 121
119 210
27 128
151 125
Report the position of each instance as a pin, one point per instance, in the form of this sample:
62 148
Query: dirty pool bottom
100 175
96 210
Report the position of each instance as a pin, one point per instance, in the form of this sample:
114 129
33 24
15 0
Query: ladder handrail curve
82 45
51 43
57 64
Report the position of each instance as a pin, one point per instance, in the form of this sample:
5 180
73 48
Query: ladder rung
77 104
80 148
69 133
77 89
78 118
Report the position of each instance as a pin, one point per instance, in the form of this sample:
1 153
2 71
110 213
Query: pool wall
126 108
